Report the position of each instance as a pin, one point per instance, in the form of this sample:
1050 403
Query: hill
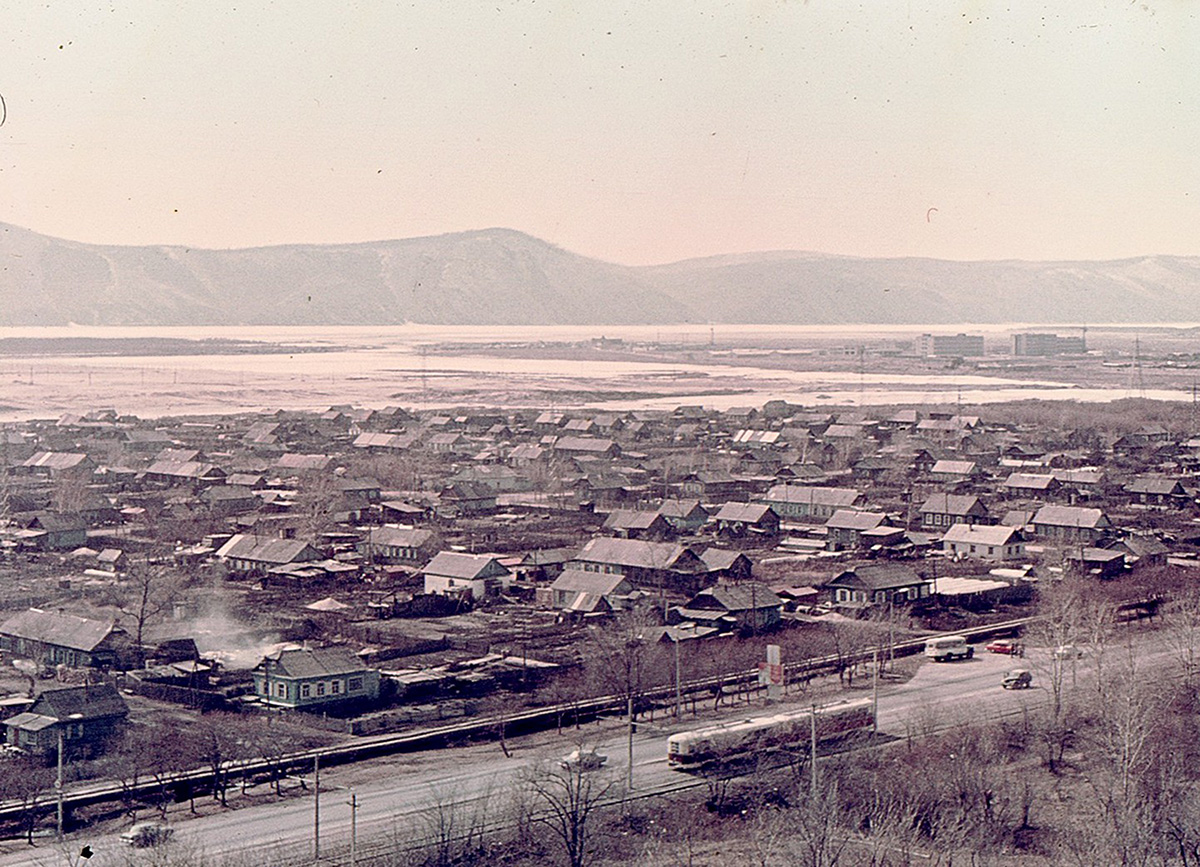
504 277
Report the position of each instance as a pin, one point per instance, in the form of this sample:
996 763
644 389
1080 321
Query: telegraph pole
353 828
629 775
678 690
317 808
58 784
813 746
875 692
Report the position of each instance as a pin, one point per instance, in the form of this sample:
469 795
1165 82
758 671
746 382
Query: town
359 572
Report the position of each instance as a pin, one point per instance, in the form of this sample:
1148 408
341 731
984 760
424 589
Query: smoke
235 644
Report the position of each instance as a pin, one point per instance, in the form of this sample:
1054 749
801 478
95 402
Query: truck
729 740
948 648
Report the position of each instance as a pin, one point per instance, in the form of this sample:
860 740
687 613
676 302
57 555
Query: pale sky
635 132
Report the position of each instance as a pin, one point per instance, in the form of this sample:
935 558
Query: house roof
1154 485
57 628
720 559
1070 516
468 567
549 556
736 597
595 583
630 519
813 495
30 722
185 469
293 461
749 513
975 534
846 519
1017 517
302 663
583 444
263 549
882 576
953 468
632 552
953 504
398 537
680 508
1030 481
60 522
55 460
96 701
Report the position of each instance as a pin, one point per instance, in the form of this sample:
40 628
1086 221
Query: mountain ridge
500 276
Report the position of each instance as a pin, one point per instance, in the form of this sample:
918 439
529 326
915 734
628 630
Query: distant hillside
803 287
503 277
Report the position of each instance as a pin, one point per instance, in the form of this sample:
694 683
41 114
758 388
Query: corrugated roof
1070 516
632 552
469 567
979 535
62 630
813 495
312 662
596 583
262 549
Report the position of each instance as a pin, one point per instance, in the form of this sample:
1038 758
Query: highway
398 796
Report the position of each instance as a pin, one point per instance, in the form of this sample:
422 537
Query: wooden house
473 576
51 638
309 679
82 719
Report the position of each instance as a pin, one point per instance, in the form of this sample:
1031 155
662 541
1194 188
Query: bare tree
1183 622
26 780
455 828
148 591
565 800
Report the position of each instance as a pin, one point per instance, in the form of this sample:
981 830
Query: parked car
1017 678
583 760
144 834
1006 646
1068 651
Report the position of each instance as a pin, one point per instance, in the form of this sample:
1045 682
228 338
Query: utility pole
678 690
317 808
875 692
813 746
58 784
629 774
353 828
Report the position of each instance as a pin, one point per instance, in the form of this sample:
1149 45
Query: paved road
401 804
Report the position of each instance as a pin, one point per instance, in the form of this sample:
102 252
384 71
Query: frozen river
378 366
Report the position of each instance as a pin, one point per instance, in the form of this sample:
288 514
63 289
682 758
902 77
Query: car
1006 646
145 834
583 760
1017 678
1068 651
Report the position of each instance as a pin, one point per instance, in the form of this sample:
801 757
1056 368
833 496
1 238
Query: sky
634 132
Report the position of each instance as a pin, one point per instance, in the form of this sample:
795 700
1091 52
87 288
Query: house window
335 686
320 689
843 595
355 684
305 690
281 690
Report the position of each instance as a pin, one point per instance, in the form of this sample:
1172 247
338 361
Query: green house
305 678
